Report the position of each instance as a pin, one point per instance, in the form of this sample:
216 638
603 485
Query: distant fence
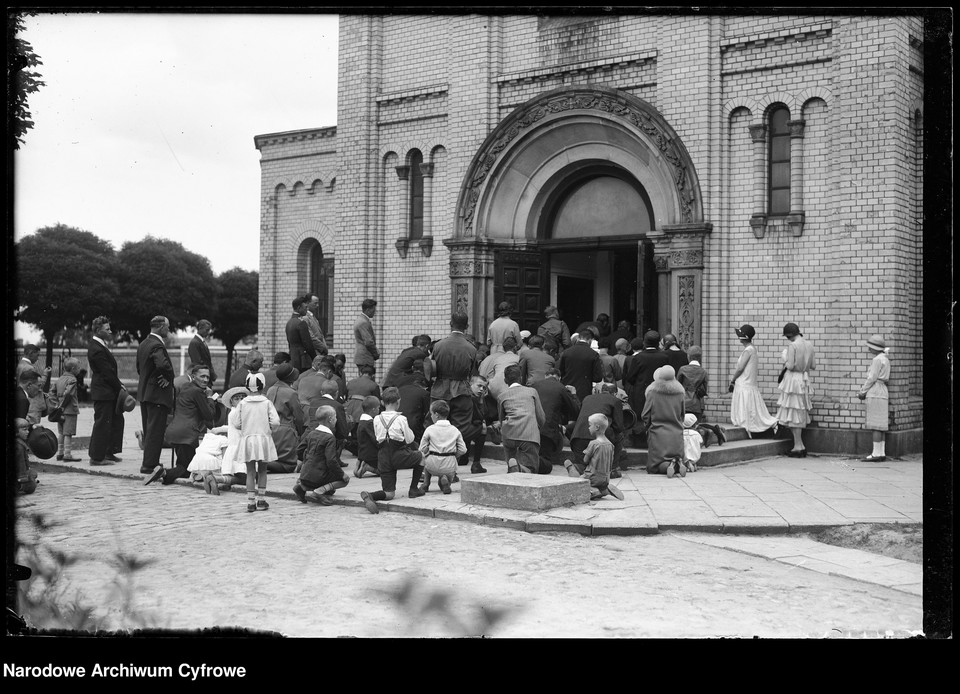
127 362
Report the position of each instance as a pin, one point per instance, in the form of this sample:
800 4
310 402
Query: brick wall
440 84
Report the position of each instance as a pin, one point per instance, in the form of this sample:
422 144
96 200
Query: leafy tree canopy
21 82
65 278
161 277
237 298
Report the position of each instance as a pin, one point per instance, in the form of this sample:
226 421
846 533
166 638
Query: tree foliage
238 304
65 278
161 277
21 81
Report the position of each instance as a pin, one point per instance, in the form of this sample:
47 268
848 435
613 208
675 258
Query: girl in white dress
255 418
796 394
227 470
747 408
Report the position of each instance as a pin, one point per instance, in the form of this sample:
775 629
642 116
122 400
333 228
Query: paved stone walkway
720 505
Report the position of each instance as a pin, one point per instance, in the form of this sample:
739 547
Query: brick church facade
685 173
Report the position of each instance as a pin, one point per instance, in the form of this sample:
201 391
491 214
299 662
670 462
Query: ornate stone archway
542 144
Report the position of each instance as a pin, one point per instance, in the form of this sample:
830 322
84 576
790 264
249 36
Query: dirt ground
903 542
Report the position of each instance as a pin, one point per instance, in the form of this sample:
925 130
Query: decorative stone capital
758 133
468 267
796 128
661 262
403 172
795 222
426 169
402 246
759 224
686 258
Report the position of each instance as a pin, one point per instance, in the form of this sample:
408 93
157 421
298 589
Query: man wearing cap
640 370
501 328
401 371
106 439
555 333
365 341
794 403
298 337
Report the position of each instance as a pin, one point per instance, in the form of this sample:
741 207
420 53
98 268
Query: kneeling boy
393 438
321 474
441 445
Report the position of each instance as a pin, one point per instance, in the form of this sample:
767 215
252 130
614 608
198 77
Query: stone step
733 451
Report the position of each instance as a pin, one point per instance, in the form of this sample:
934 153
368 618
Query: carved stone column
758 134
471 281
682 248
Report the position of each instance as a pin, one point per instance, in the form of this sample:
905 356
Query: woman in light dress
795 402
747 408
874 394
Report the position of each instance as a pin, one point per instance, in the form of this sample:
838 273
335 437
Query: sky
145 126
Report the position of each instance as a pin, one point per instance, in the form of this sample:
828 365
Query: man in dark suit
676 357
639 373
560 405
401 371
106 439
198 351
608 404
453 359
298 337
580 366
415 405
155 393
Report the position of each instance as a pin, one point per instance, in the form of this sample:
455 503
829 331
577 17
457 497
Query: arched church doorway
316 275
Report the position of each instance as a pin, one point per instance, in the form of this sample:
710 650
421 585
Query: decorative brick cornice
577 68
434 91
292 136
796 128
759 40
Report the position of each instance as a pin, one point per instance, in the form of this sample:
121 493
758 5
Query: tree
161 277
65 279
238 300
20 81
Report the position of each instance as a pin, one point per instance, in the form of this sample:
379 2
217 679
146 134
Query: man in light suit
521 418
365 351
155 393
106 439
199 352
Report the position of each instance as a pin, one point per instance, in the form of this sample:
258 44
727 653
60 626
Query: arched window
415 222
778 182
321 286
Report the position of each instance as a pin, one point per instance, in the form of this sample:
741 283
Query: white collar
364 417
513 385
324 427
330 397
99 340
156 336
694 361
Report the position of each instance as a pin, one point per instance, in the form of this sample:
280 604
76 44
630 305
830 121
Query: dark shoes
874 459
321 499
615 474
71 459
301 494
415 492
369 502
444 484
721 436
251 508
477 469
112 457
802 453
262 505
512 465
155 474
615 492
97 463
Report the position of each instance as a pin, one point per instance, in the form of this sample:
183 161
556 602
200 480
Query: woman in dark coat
287 435
663 417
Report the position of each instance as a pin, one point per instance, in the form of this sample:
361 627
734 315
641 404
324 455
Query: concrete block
525 492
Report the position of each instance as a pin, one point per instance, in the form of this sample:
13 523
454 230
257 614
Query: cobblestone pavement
304 570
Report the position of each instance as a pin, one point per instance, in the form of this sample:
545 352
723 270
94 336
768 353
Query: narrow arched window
321 286
415 223
778 186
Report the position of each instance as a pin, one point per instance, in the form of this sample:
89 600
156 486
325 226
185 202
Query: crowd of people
549 399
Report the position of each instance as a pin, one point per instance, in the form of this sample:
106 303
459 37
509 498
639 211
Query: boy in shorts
598 459
394 439
440 446
367 449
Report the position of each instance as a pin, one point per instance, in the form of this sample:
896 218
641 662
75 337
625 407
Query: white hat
689 420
